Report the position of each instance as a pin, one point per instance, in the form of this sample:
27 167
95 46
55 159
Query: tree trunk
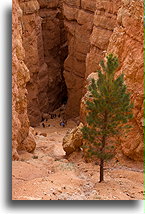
102 150
102 161
101 170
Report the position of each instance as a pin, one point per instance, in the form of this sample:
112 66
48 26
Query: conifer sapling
109 110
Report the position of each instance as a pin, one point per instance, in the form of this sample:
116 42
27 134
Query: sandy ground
48 175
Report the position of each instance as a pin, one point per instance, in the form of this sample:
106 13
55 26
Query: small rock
43 134
59 190
94 192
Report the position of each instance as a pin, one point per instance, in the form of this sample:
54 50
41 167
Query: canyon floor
48 175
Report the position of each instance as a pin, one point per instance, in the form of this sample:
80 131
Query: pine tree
109 110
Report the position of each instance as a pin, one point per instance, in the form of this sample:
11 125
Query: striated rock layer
105 20
46 61
78 24
22 138
127 43
32 43
44 42
89 25
55 52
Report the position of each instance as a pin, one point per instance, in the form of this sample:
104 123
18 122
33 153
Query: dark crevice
47 89
59 53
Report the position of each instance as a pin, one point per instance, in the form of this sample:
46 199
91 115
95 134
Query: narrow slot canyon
57 46
45 44
58 40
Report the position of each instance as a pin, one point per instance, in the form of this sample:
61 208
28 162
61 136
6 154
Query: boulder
73 140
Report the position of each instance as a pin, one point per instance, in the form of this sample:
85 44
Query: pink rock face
94 28
78 24
127 43
32 43
45 46
105 20
89 25
54 45
20 76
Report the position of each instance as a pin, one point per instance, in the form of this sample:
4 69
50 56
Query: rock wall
20 76
78 23
55 52
32 43
40 47
44 42
127 43
105 20
89 25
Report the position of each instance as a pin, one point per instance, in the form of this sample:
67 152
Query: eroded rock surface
32 43
55 52
127 43
79 24
104 22
94 28
73 140
45 45
20 77
89 25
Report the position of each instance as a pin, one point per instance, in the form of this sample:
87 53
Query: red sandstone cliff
22 138
42 33
89 25
79 24
44 42
125 41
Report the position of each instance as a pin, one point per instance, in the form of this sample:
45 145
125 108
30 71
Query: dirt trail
47 175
